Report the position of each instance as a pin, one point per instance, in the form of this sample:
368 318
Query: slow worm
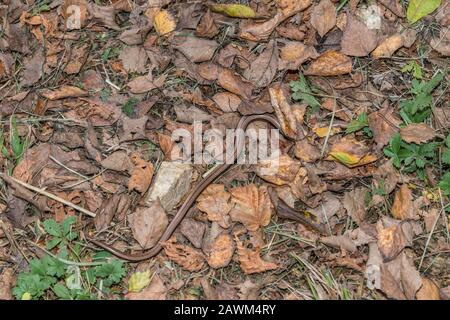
181 213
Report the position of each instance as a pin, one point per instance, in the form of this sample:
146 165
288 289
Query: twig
431 233
49 195
67 168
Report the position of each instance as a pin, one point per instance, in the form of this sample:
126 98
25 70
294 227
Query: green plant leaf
444 184
52 228
61 291
417 9
359 123
302 92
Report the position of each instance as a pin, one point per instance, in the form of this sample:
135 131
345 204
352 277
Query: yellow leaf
164 22
139 281
322 132
345 158
26 296
234 10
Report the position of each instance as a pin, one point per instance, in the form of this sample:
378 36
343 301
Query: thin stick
49 195
67 168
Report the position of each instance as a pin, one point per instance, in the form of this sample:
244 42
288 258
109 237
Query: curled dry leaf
250 260
118 161
387 48
263 69
64 92
351 153
222 250
323 17
104 15
141 174
187 257
215 202
279 170
251 206
417 133
358 40
331 63
403 206
148 224
283 111
77 59
259 31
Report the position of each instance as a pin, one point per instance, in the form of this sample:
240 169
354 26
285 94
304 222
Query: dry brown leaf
33 68
144 84
252 206
354 203
442 43
98 112
134 59
232 82
331 63
6 283
206 27
417 133
104 15
187 257
215 202
395 6
222 250
279 170
306 151
78 57
193 230
148 224
156 290
250 260
263 69
141 175
342 242
252 31
393 236
384 124
293 54
283 111
358 40
227 102
196 49
323 17
387 48
118 161
64 92
428 291
403 206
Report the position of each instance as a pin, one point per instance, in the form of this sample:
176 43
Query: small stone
172 182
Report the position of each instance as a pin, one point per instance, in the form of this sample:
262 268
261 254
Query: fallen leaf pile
96 112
